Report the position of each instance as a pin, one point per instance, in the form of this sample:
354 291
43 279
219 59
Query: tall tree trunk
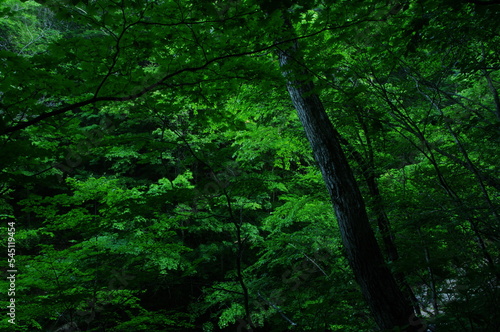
367 168
388 305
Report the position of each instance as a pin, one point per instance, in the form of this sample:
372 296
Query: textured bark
367 169
388 305
384 225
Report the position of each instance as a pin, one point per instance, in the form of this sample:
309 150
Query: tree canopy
172 165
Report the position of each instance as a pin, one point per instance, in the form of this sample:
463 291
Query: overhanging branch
162 81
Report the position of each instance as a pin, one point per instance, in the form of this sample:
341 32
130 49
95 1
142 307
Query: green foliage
27 28
160 180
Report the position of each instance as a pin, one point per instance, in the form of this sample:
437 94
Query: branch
312 261
162 81
195 22
490 180
277 309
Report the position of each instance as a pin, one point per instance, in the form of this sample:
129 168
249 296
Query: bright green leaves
230 315
101 227
206 182
298 210
26 27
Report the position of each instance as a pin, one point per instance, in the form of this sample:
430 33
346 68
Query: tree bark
387 303
384 226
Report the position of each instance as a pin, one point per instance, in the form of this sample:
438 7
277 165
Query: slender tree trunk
388 305
384 226
432 285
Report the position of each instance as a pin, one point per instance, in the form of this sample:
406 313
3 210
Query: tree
160 178
388 304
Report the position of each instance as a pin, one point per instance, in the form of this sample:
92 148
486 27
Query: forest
244 165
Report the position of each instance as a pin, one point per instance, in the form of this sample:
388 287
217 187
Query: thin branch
277 309
162 81
312 261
